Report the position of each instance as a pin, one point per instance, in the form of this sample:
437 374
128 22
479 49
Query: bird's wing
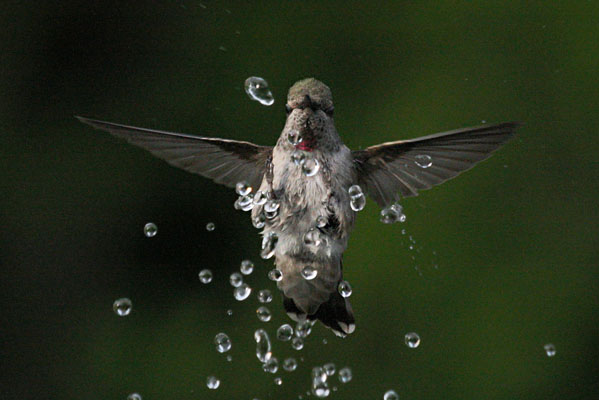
391 169
224 161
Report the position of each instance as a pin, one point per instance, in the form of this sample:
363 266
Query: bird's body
304 182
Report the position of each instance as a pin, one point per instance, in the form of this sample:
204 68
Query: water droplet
260 198
269 243
357 201
210 226
294 137
236 279
243 189
271 365
263 314
320 387
150 229
247 267
303 329
229 312
205 276
321 221
259 221
257 89
319 373
244 203
285 332
271 209
275 275
412 340
263 349
222 342
390 395
134 396
310 167
229 358
212 382
298 157
345 375
122 307
549 349
297 343
242 292
329 368
313 237
309 273
278 381
391 214
423 160
264 296
290 364
344 289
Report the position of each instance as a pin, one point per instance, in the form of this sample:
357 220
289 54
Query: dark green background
507 253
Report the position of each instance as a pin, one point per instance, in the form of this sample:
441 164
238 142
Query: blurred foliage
506 255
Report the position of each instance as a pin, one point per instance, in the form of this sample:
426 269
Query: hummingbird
304 193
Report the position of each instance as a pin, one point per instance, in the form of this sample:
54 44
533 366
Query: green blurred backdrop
505 258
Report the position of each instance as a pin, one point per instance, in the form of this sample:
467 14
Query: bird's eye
330 111
288 109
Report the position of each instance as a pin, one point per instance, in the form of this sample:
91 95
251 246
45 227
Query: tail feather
336 313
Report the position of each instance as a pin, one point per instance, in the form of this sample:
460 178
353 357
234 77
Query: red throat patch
306 145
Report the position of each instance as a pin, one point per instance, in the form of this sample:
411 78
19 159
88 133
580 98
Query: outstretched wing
404 167
224 161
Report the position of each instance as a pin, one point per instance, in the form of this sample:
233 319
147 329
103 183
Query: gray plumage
386 172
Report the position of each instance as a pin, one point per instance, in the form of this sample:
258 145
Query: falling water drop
263 314
344 289
390 395
247 267
257 89
271 365
303 329
309 272
549 349
329 368
236 279
345 375
297 343
264 296
122 307
212 382
242 292
205 276
310 167
222 342
275 275
423 160
285 332
243 189
290 364
150 229
271 209
357 201
134 396
278 381
263 348
412 340
210 226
